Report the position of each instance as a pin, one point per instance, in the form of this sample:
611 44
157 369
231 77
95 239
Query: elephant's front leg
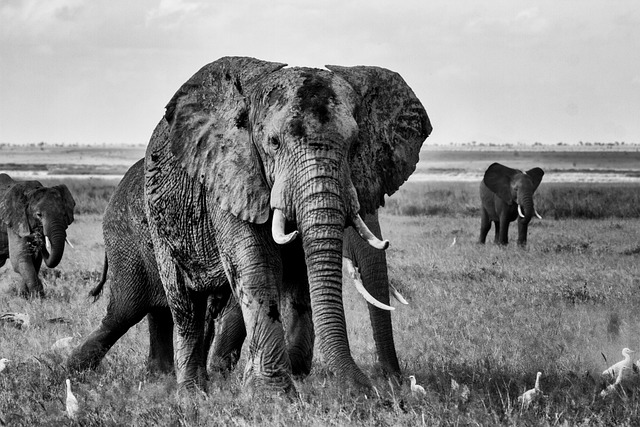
523 227
26 263
503 228
296 309
485 225
252 263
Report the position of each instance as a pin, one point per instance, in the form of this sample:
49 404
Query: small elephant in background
507 195
33 228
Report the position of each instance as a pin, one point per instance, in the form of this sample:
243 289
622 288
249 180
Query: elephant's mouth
283 238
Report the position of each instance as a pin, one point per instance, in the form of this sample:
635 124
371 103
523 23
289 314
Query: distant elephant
33 227
507 195
251 154
136 291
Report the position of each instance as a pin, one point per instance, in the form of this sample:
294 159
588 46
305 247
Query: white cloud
171 13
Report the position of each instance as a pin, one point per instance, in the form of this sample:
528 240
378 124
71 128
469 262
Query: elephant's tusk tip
68 242
379 244
286 238
397 295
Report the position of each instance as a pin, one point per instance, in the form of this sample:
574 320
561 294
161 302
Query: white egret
416 388
3 364
614 370
72 402
533 395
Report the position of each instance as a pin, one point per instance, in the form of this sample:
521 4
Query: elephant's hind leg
227 341
497 239
160 340
90 353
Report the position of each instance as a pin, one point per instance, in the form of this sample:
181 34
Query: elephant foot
279 382
78 362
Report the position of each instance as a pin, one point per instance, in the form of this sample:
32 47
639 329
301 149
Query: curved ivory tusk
357 282
277 229
351 269
520 212
397 295
537 214
367 235
47 243
68 242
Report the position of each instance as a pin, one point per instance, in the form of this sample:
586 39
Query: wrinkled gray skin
136 291
29 212
501 191
243 137
227 341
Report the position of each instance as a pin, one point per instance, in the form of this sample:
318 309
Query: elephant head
36 218
513 186
309 149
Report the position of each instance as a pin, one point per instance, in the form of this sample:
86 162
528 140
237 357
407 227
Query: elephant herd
256 183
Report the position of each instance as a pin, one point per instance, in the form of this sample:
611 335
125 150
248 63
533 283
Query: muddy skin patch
315 94
297 128
242 120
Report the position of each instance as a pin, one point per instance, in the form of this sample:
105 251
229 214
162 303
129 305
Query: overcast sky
499 71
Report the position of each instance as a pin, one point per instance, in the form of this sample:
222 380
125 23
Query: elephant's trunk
321 221
56 233
525 207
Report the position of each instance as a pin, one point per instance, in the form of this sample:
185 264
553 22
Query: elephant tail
97 291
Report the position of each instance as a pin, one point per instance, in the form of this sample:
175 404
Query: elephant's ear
392 125
536 175
13 207
67 201
210 137
498 179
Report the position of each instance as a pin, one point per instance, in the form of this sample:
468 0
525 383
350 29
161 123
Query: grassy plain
486 316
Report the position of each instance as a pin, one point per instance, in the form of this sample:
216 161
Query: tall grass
486 316
552 200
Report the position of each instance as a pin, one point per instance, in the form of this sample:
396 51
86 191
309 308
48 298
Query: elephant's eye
39 214
274 141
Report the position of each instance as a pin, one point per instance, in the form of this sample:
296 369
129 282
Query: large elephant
33 227
136 291
226 341
250 154
506 195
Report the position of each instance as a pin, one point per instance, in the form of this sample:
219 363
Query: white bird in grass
18 320
612 387
72 402
533 395
614 370
3 364
416 388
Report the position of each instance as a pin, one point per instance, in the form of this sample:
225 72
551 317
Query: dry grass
488 317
